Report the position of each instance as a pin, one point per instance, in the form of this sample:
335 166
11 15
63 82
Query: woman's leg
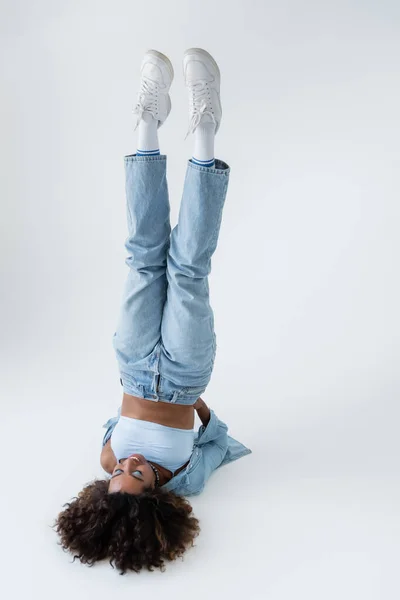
147 205
138 329
188 338
187 329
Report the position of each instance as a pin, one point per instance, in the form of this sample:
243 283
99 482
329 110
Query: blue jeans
165 342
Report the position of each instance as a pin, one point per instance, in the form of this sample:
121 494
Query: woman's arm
107 458
202 410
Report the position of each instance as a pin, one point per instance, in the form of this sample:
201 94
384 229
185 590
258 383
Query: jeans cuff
140 158
221 167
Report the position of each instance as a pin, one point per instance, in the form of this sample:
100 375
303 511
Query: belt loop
156 380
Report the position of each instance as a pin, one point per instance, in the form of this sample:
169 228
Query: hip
155 388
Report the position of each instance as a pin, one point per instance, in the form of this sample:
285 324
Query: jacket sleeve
213 454
215 431
212 442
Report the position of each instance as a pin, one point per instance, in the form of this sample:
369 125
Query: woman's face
132 475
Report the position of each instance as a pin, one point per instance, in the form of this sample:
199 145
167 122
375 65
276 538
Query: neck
163 473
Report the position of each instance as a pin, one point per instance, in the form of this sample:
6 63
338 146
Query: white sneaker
202 78
153 97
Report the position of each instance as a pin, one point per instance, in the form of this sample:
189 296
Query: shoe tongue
152 72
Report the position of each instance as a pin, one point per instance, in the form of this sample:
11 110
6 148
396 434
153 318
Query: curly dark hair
133 532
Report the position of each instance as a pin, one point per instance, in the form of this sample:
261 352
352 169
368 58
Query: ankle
203 152
208 164
148 135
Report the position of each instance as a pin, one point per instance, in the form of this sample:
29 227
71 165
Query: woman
164 342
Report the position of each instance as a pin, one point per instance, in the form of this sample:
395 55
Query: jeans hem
136 158
220 168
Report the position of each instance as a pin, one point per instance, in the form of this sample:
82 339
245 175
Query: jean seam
217 224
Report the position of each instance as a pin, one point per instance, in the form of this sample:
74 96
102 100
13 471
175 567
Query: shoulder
107 457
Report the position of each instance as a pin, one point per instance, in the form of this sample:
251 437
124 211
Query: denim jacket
212 448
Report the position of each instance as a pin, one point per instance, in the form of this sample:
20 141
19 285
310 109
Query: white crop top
166 446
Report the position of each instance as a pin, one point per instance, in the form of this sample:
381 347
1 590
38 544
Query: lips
139 458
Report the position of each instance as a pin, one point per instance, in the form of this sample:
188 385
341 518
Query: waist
179 416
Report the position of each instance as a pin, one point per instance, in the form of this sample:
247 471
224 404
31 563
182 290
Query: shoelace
198 94
146 101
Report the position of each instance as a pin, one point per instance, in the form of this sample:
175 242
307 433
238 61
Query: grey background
305 287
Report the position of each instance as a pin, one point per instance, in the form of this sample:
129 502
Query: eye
138 474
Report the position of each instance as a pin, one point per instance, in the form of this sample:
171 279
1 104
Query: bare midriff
164 413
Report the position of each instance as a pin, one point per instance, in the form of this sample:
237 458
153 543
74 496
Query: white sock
148 136
203 153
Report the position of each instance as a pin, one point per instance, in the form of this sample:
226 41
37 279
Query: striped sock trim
203 163
148 152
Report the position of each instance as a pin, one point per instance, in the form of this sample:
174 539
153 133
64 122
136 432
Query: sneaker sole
164 58
205 54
